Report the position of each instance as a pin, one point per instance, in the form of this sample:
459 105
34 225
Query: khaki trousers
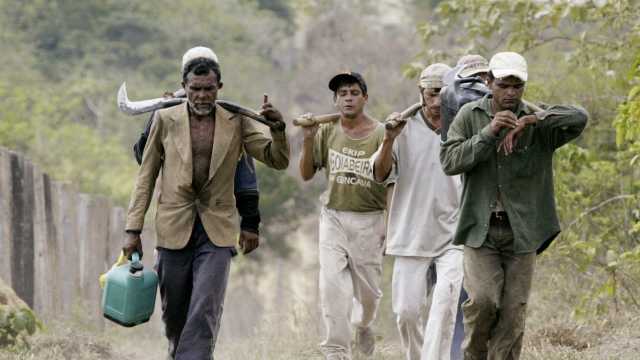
410 286
351 247
498 283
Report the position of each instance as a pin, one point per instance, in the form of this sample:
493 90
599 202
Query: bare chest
202 136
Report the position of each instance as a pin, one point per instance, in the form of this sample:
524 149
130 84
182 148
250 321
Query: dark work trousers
498 283
193 281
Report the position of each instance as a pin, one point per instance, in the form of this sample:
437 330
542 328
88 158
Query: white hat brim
499 74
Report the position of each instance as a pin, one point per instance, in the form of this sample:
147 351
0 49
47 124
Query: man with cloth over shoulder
504 151
422 220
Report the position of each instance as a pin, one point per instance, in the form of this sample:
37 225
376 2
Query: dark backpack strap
138 147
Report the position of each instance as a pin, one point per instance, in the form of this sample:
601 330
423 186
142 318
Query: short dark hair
347 78
201 66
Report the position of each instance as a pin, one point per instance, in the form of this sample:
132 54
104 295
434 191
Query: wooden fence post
22 252
5 216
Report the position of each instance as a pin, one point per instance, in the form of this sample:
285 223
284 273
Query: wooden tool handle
319 119
404 115
533 106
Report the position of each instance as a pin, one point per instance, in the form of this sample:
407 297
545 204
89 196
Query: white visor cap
506 64
198 52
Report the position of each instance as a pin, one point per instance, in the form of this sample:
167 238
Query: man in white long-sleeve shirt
422 221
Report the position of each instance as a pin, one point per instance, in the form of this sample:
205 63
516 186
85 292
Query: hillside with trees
63 61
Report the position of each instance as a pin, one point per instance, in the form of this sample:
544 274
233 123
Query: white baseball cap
198 52
432 77
505 64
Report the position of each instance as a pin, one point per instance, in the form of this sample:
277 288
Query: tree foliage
64 61
578 51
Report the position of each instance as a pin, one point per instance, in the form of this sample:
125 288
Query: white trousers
351 247
410 285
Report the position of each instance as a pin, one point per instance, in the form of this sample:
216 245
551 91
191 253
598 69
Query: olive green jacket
524 178
168 153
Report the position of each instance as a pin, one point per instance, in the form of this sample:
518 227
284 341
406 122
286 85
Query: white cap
432 77
508 64
198 52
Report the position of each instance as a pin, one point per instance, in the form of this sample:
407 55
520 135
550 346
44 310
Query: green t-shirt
351 186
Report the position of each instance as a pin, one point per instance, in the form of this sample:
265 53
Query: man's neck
431 121
358 121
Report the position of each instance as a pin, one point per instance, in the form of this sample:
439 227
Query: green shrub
16 325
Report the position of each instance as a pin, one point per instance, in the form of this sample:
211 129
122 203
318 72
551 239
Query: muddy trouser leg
506 342
458 335
210 272
408 297
483 281
336 286
366 241
438 334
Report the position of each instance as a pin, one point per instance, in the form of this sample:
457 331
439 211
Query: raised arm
561 124
463 149
383 159
307 163
272 152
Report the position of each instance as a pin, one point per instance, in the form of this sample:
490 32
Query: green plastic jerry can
129 294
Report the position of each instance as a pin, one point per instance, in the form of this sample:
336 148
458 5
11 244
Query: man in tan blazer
195 147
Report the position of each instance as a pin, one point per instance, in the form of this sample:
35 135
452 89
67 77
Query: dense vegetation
584 52
63 61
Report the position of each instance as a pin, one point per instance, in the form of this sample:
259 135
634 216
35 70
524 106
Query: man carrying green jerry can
129 294
193 148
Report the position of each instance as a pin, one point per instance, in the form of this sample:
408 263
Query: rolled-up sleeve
462 151
273 152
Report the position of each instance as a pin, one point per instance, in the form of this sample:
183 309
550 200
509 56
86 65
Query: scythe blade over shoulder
144 106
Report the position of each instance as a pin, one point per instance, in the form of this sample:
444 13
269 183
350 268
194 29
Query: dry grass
292 332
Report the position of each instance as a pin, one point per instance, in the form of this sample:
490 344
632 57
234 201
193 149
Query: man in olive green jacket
195 147
508 208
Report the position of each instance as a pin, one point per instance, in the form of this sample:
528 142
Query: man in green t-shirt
351 219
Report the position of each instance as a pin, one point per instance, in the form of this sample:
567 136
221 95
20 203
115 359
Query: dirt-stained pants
350 248
409 294
192 282
498 283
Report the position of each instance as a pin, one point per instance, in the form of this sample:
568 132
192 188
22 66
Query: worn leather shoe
365 340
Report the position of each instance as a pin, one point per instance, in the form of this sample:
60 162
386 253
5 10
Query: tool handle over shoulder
404 115
305 121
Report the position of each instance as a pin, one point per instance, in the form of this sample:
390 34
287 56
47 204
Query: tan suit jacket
168 153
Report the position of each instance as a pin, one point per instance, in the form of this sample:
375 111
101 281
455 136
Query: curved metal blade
144 106
239 109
